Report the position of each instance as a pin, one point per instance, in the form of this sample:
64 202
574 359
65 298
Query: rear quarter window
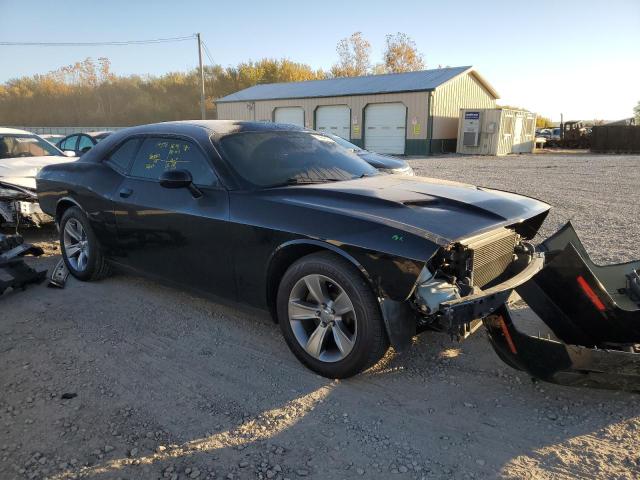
122 157
159 154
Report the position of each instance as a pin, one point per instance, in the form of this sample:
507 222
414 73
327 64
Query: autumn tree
353 57
401 54
543 122
88 93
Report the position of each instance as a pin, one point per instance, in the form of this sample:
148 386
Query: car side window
121 158
158 155
69 143
85 142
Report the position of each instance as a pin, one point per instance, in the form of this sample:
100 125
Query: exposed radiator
491 254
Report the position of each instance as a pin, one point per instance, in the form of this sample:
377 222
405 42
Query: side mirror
69 153
179 179
176 179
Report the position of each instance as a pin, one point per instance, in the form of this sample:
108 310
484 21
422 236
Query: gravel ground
126 378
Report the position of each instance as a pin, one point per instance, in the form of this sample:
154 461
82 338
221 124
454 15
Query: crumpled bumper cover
593 312
556 362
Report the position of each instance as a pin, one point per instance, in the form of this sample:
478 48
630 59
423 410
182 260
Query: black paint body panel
225 242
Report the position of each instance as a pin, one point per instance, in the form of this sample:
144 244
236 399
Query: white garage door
291 115
335 119
385 127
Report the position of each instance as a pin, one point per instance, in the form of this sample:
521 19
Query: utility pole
202 106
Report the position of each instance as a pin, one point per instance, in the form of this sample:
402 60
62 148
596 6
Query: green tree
636 113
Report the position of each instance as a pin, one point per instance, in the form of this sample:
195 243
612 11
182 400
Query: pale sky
581 58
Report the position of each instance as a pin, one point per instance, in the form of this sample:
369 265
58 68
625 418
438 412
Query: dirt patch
174 386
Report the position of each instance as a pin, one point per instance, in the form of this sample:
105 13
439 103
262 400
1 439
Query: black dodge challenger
348 260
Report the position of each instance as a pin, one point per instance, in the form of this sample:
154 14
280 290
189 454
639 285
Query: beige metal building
496 131
413 113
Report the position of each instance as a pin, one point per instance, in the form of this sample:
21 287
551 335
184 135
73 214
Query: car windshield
269 159
344 143
25 145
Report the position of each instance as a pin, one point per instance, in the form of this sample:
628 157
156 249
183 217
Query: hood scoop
426 201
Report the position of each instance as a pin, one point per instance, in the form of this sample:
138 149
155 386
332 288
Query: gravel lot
169 385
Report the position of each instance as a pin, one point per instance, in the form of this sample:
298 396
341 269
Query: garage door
335 119
385 127
291 115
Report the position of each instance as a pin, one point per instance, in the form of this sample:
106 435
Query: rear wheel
80 248
330 317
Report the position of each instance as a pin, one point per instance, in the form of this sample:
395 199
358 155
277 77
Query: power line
208 53
94 44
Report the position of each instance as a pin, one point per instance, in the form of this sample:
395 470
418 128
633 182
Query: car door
85 143
69 144
170 233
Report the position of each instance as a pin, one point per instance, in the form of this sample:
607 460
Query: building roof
425 80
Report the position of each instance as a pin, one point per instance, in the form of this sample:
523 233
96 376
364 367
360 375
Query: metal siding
235 111
416 104
464 91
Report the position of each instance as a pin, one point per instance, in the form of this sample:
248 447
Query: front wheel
330 317
80 248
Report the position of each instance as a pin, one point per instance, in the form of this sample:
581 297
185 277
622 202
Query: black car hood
438 210
381 161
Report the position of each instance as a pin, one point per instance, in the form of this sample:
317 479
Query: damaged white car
22 155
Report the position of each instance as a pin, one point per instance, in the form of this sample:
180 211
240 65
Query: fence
616 139
65 130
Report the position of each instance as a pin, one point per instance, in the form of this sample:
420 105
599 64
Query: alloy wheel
76 245
322 318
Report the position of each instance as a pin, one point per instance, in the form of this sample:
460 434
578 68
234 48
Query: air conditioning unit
471 129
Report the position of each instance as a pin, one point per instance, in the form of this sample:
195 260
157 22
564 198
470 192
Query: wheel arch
289 252
63 205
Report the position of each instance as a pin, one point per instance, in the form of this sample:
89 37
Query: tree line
89 93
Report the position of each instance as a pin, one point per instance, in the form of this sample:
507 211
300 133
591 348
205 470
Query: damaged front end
588 330
471 278
19 206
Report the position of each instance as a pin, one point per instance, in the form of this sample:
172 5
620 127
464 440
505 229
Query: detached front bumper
552 361
591 314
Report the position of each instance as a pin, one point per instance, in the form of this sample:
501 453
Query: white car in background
22 155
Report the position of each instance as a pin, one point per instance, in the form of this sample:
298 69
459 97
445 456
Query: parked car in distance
22 155
384 163
346 259
544 133
52 138
81 143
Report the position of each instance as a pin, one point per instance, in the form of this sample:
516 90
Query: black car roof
221 128
197 129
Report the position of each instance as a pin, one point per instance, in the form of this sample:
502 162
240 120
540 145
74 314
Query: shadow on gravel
174 386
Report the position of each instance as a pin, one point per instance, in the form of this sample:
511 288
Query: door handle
126 192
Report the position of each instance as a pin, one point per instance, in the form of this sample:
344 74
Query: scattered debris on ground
14 272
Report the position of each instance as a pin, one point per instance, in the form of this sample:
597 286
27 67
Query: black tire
96 266
371 341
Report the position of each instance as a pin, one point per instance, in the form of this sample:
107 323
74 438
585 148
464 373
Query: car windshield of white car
14 146
275 158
